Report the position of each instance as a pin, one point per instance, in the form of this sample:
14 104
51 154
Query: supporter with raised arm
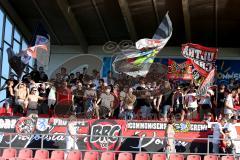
129 101
33 98
21 97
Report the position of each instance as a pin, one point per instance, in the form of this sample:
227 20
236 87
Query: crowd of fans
122 97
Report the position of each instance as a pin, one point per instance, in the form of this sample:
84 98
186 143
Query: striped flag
137 61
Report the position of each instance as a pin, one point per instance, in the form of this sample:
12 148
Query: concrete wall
62 54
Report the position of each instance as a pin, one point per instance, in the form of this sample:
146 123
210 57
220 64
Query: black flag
15 62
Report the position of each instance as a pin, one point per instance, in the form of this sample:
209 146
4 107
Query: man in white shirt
229 104
191 104
232 131
217 134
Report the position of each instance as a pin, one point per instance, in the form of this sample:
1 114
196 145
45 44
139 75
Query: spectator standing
166 102
9 94
191 103
229 104
106 106
205 105
33 98
77 98
21 97
217 134
43 103
129 101
177 102
221 97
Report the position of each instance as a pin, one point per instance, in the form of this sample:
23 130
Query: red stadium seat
108 156
142 156
176 157
159 156
25 153
125 156
91 155
193 157
74 155
9 153
41 154
227 158
57 155
210 157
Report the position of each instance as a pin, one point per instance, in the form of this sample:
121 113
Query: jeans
128 114
165 110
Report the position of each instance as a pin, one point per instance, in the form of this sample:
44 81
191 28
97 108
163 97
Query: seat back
158 156
41 154
59 155
125 156
9 153
193 157
142 156
176 157
25 153
91 155
228 158
108 156
210 157
74 155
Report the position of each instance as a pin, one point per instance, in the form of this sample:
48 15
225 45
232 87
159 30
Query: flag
18 62
202 58
207 83
179 71
137 61
43 53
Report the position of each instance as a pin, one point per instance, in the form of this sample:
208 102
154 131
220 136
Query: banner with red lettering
179 71
100 134
202 58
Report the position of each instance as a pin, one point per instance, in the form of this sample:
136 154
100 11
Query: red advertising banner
179 71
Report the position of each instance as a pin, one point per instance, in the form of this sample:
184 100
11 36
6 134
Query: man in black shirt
221 97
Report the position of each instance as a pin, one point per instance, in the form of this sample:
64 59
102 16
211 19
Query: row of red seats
27 154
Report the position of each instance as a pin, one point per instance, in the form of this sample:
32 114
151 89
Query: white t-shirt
233 132
229 102
106 100
192 100
52 93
